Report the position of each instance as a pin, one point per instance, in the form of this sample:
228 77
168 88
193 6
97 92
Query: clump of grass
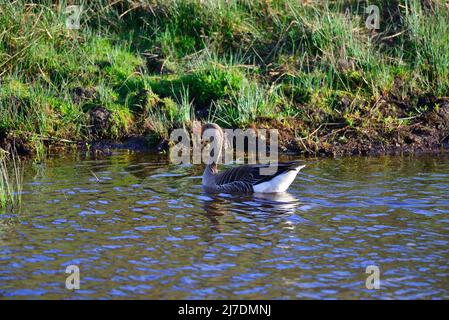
427 43
246 105
163 115
11 179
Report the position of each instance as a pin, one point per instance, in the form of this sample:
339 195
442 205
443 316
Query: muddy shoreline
407 140
427 133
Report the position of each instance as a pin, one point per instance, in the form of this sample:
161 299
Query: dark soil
100 121
14 145
427 133
80 94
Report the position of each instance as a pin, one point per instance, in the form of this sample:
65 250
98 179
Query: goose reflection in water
257 204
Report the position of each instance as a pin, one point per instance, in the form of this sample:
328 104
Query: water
138 227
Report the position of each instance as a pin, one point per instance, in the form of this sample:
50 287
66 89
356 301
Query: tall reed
11 179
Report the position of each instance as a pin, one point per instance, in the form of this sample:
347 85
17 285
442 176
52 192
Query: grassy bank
312 69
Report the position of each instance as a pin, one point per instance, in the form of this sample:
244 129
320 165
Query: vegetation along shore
312 69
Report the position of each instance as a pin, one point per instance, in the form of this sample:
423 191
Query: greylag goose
247 178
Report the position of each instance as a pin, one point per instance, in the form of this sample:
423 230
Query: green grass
157 65
11 176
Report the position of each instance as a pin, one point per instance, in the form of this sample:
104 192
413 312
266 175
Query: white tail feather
279 183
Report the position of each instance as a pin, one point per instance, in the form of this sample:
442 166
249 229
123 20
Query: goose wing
251 174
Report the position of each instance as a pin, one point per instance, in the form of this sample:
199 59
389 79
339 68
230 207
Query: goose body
248 178
259 178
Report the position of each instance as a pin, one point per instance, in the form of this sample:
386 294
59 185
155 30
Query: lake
138 227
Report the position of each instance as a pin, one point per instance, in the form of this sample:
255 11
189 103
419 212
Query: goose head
211 131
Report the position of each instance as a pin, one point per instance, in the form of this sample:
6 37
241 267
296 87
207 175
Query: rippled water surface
138 227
